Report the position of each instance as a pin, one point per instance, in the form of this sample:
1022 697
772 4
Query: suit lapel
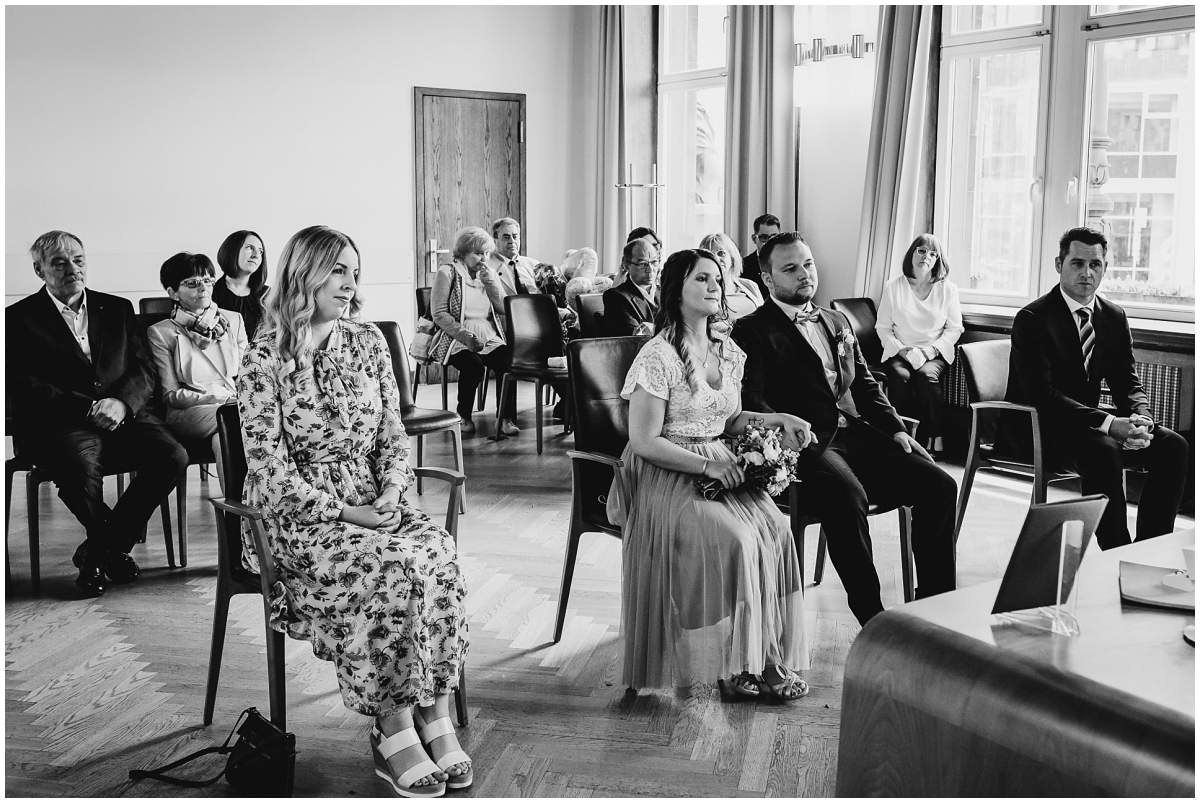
95 325
56 327
829 323
1067 333
777 318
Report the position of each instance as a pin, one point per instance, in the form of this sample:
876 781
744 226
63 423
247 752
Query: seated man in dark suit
804 360
766 226
1063 344
80 377
629 307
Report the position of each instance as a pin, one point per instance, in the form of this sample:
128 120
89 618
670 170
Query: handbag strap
158 774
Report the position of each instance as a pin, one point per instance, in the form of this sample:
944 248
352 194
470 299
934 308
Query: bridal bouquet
759 451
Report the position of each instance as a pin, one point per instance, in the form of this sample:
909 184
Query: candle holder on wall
858 47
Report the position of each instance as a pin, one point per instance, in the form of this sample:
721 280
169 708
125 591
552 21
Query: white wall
151 130
835 99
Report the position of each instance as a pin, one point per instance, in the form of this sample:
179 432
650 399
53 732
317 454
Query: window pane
973 19
1142 166
992 122
694 133
1098 11
695 37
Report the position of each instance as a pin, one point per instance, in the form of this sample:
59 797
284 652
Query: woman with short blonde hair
742 296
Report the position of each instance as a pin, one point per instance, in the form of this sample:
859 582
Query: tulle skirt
709 588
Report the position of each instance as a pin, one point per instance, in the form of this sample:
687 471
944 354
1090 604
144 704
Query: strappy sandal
789 687
742 686
444 727
384 747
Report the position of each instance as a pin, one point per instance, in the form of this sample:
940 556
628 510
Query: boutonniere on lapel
845 341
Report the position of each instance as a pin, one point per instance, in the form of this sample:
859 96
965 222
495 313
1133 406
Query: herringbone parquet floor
95 688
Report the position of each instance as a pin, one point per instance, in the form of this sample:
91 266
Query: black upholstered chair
597 367
985 368
533 332
155 309
420 421
862 315
591 314
233 579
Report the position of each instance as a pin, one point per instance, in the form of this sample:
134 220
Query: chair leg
906 553
445 388
964 490
819 568
35 549
181 516
9 473
417 381
568 573
276 689
538 402
796 521
420 462
165 509
460 465
460 697
502 395
220 618
481 392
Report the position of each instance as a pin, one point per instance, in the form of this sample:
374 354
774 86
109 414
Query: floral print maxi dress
386 608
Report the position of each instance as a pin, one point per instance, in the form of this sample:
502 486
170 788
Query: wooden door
470 165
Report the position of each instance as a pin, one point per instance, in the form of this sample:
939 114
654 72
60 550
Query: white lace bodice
700 414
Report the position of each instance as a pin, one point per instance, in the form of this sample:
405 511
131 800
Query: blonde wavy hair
722 241
307 261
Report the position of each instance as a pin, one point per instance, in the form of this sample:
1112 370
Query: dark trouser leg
470 374
889 476
499 360
927 398
830 491
1167 459
899 374
1100 463
148 447
73 459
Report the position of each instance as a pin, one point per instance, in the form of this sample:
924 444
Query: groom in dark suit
1063 344
804 360
79 378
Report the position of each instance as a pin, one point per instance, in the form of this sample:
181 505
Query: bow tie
806 317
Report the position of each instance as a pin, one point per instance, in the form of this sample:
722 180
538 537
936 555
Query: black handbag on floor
261 762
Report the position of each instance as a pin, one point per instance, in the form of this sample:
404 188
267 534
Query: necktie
1087 337
520 285
812 316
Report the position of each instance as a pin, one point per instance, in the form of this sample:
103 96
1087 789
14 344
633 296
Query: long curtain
610 224
899 194
760 131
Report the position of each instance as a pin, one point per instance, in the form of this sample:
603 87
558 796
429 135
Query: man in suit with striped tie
1063 345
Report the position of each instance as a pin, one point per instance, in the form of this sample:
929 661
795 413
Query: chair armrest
447 475
1004 406
910 424
595 457
238 509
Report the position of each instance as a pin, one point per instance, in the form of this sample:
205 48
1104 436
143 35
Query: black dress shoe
121 568
91 581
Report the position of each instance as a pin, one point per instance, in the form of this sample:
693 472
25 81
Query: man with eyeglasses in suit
80 379
629 308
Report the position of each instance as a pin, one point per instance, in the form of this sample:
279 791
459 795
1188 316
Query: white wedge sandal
384 747
442 727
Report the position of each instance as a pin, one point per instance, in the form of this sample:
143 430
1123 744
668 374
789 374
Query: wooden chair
985 368
597 367
425 310
421 421
800 521
34 478
232 579
533 332
862 315
591 314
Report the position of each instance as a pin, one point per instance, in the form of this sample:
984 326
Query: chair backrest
425 302
598 367
533 330
156 305
985 368
861 312
395 341
233 454
591 314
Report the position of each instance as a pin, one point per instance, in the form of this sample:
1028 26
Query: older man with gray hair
80 379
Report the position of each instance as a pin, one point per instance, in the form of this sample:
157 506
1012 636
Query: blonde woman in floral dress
711 588
371 582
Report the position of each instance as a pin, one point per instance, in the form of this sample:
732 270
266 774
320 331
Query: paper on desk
1144 584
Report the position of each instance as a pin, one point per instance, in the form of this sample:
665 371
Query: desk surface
1136 648
938 701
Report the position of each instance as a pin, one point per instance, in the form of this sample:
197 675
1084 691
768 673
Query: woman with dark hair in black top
243 259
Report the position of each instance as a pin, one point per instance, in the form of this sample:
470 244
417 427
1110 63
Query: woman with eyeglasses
919 322
197 350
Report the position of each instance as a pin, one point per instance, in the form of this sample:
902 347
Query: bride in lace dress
711 589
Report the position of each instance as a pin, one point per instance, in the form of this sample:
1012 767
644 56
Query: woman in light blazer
197 350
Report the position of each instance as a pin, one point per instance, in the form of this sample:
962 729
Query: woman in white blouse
919 323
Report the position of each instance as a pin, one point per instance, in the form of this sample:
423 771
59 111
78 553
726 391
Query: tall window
1115 150
691 123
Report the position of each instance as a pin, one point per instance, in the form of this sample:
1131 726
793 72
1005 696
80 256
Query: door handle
433 255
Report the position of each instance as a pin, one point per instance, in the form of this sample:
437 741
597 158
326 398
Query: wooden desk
937 701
